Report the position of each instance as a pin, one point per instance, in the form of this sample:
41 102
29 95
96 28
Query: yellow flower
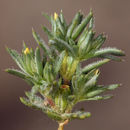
97 71
26 51
55 16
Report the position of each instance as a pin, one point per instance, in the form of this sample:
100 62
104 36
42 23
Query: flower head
55 16
26 51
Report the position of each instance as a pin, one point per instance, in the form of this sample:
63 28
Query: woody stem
61 125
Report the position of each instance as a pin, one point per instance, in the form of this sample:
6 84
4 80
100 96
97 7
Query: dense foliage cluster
58 81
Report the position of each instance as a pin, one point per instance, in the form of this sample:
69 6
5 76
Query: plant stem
61 125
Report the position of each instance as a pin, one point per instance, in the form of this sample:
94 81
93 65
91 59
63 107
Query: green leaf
25 101
65 45
96 98
85 44
90 83
112 86
16 73
56 45
47 31
74 23
46 16
17 58
94 93
98 42
22 75
53 25
41 42
112 51
28 63
60 26
94 65
77 115
91 23
38 62
63 20
58 62
81 26
46 73
82 36
115 58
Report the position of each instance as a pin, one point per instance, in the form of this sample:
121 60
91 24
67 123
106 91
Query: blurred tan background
17 17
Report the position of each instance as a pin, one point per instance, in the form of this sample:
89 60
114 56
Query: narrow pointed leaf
47 16
91 23
112 86
96 98
77 115
22 75
115 58
41 42
91 83
59 62
82 36
60 26
28 63
98 42
63 20
38 62
94 65
25 101
112 51
85 44
16 73
94 93
81 26
17 58
65 46
74 23
47 31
